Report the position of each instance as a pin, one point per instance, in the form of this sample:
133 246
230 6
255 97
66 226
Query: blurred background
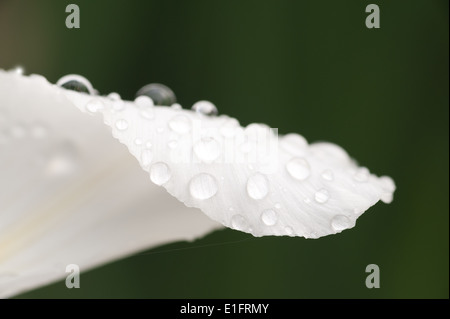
310 67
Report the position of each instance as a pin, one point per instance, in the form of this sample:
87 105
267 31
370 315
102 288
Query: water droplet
62 160
321 196
180 124
361 175
138 141
307 200
203 186
121 125
293 143
76 82
118 105
146 158
277 205
159 93
298 168
327 175
114 96
229 128
289 231
172 144
160 173
257 186
148 144
239 222
176 106
269 217
143 101
231 209
95 106
205 108
207 149
340 222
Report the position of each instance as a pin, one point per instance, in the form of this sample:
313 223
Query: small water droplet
114 96
340 222
121 125
148 114
269 217
138 141
143 101
176 106
250 167
293 143
146 158
207 149
322 196
159 93
160 173
277 205
205 108
76 82
239 222
257 186
180 124
94 106
229 128
327 175
148 144
203 186
118 105
362 175
289 231
231 209
172 144
298 168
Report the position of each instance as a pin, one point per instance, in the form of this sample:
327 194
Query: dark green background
310 67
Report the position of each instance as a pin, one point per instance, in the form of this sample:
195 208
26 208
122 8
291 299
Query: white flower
71 194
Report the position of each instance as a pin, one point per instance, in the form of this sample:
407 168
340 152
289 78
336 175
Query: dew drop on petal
229 128
205 108
160 173
148 144
327 175
321 196
298 168
340 222
289 231
114 96
176 106
257 186
180 124
146 158
121 125
143 101
203 186
269 217
172 144
239 222
138 141
207 149
63 160
76 82
361 175
159 93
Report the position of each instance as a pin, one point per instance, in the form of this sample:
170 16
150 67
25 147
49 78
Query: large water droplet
203 186
257 186
327 175
321 196
340 222
239 222
121 125
146 158
229 128
159 93
143 101
205 108
269 217
76 82
180 124
160 173
207 149
362 175
298 168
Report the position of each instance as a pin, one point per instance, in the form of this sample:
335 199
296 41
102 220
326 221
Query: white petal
69 193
